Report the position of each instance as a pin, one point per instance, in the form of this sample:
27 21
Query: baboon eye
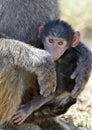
60 43
51 40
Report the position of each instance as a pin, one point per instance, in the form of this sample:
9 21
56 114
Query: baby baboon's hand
21 114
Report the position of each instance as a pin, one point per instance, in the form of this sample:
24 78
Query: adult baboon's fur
19 65
19 19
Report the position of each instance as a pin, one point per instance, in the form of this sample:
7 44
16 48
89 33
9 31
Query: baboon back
20 19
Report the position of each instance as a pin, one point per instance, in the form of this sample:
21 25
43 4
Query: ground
81 112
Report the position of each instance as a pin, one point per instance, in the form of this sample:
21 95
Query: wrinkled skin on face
55 46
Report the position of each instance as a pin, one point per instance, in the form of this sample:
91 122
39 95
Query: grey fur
23 18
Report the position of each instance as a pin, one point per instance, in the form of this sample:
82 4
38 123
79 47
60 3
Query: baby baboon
60 40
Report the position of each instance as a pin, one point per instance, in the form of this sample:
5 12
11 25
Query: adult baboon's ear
41 26
76 39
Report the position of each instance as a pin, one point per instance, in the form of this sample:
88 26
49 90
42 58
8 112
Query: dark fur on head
58 28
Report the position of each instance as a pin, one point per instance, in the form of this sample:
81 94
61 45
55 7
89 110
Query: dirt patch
82 110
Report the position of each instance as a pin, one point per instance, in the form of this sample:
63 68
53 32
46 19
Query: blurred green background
79 14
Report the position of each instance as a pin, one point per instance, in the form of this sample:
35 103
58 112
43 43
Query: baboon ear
41 27
76 39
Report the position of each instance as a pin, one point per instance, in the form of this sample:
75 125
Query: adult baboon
19 61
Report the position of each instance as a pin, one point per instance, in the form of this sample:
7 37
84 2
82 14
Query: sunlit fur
11 90
17 61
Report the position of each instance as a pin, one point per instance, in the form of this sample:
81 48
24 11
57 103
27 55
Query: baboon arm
57 106
30 59
39 101
27 109
23 55
84 67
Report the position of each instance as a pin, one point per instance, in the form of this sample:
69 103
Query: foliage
77 12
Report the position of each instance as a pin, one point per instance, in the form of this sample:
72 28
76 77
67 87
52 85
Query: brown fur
10 93
22 68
